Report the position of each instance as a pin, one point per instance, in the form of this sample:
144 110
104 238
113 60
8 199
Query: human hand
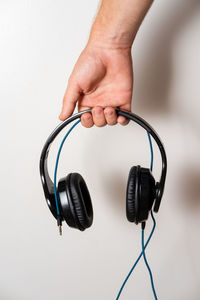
102 79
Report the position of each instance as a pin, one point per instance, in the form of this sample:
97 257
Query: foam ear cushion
80 198
140 194
131 194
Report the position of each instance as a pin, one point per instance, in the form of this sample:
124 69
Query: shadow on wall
154 78
189 188
155 70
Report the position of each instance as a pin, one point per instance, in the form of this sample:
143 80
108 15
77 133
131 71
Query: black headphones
73 196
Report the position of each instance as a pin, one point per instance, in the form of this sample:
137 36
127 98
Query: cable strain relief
143 225
59 220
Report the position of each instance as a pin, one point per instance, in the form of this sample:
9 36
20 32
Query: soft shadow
189 185
155 70
154 78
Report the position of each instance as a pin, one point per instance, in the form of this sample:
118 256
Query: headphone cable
142 253
139 256
59 217
154 222
145 259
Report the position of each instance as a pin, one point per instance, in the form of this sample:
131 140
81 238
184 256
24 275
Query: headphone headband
47 182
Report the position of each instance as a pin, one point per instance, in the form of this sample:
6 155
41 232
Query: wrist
111 39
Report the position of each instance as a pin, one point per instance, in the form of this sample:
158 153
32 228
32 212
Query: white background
39 44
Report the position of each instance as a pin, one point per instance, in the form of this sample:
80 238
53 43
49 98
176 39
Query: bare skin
102 78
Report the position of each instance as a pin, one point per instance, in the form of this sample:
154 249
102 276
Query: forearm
102 78
117 22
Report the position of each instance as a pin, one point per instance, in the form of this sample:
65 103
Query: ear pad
140 194
75 201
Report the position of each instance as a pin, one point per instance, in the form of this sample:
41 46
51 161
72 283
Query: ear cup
140 194
76 203
147 193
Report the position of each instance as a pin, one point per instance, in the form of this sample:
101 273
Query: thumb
71 96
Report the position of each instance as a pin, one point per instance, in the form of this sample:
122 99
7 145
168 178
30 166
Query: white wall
39 44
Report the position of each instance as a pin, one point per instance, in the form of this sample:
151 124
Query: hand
102 79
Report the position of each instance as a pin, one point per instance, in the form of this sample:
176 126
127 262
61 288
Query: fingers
71 96
98 116
110 115
122 120
101 116
86 119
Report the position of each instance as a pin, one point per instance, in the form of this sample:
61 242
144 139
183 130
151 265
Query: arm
102 77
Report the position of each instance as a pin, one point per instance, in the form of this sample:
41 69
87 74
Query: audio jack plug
59 223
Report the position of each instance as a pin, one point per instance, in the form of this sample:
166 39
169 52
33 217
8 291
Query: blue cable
145 259
154 222
56 166
151 150
142 253
136 262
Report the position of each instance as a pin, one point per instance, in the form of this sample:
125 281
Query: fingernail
87 117
97 112
109 113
